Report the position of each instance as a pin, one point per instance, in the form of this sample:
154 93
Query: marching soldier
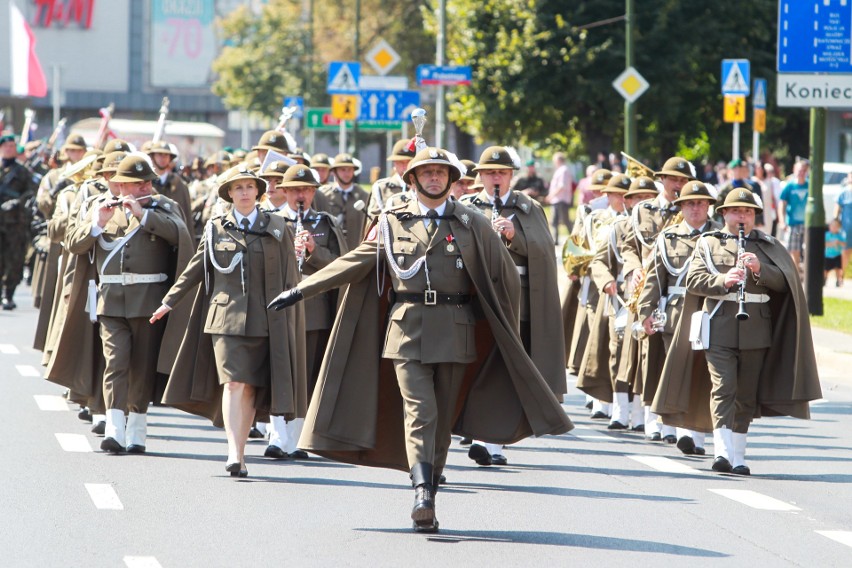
168 182
385 188
16 187
465 184
438 258
663 296
760 351
344 197
522 226
322 164
133 241
270 140
317 241
647 220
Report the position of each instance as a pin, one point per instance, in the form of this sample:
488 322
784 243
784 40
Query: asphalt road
589 498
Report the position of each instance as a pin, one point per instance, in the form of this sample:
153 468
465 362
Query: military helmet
273 140
111 161
498 158
300 156
221 157
695 190
402 151
599 179
741 197
428 156
299 175
275 169
679 167
642 186
161 147
619 183
320 161
118 145
344 160
469 174
236 173
75 142
134 167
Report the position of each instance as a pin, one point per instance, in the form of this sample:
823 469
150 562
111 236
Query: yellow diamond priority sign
630 84
382 57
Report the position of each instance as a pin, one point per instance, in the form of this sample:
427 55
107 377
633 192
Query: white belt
522 270
129 278
749 298
677 291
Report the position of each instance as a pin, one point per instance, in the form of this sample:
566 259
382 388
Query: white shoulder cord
238 259
400 273
635 220
661 245
708 261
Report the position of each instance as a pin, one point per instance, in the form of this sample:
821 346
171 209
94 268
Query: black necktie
245 224
344 195
432 226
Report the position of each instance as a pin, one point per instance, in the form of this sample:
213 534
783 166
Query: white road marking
843 537
755 500
141 562
51 402
666 465
104 496
589 434
28 371
74 442
820 401
8 349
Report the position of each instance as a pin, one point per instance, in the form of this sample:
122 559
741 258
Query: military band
369 327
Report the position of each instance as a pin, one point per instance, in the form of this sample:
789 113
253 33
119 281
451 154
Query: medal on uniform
450 246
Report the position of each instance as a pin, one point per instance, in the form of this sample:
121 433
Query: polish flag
27 76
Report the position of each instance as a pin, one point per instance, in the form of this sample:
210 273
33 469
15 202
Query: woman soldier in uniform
233 262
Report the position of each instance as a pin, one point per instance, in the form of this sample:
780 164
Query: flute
742 315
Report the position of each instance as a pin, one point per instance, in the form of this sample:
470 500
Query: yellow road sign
760 120
344 107
735 106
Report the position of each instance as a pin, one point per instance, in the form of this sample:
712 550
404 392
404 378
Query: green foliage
837 314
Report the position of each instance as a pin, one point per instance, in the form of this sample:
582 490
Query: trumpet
742 314
300 258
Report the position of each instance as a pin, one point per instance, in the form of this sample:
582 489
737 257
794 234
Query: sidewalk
843 292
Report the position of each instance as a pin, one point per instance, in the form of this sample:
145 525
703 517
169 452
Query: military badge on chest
451 247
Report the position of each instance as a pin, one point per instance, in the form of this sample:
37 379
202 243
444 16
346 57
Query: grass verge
837 315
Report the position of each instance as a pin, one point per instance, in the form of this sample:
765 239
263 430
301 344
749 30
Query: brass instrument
633 299
575 258
742 314
635 168
300 258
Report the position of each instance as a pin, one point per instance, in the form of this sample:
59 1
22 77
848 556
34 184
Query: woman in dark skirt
241 257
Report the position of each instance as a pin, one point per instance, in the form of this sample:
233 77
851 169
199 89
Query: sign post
735 87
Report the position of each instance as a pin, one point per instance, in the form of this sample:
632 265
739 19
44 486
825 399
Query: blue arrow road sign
296 102
388 105
343 77
814 36
444 75
736 77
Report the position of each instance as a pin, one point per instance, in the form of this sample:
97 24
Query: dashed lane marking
27 371
755 500
663 464
843 537
141 562
820 401
589 434
104 496
51 402
9 349
74 442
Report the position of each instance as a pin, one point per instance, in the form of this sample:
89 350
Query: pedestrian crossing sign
343 77
735 77
344 107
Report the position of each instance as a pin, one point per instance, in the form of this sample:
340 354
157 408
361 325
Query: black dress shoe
426 528
255 434
112 446
741 470
135 449
9 304
442 480
466 441
670 439
588 405
299 455
236 470
722 465
640 428
686 445
84 415
99 428
599 415
654 437
423 512
274 452
498 459
616 425
699 451
479 454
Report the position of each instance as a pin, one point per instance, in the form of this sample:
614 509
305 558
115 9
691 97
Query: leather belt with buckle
430 298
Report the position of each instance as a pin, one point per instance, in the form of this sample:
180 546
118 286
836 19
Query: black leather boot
423 512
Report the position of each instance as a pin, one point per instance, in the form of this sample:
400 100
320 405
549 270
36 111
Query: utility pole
357 59
440 47
629 109
815 216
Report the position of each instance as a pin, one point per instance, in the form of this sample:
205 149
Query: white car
832 185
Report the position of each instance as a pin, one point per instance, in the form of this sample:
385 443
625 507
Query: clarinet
742 315
299 228
498 206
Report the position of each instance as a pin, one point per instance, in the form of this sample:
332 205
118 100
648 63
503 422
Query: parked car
832 185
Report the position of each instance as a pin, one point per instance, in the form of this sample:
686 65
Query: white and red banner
27 76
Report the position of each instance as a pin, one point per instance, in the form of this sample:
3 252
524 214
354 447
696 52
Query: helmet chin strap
430 195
